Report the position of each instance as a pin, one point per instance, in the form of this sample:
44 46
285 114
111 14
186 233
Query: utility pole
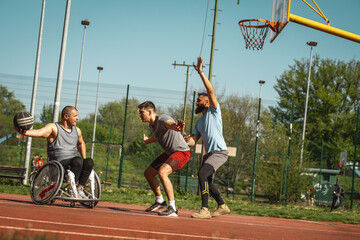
213 40
187 81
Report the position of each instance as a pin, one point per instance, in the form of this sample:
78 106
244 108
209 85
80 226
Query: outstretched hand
21 131
186 137
180 125
199 65
145 137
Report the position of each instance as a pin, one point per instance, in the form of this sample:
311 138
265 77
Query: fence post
354 164
320 175
22 137
191 128
288 155
281 181
256 148
108 152
236 164
123 140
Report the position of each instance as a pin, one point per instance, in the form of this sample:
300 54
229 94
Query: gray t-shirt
170 140
64 146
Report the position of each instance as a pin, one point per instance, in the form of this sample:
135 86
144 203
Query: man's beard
199 108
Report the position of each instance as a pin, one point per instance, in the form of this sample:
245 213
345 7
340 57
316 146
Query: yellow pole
324 28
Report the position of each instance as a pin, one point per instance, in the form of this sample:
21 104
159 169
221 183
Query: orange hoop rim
266 24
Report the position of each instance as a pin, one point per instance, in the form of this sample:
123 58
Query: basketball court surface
124 221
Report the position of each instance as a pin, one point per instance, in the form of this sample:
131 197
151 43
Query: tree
333 96
9 106
112 114
46 114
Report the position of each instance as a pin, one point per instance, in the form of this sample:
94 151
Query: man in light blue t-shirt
209 128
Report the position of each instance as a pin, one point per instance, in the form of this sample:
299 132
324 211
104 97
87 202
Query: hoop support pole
324 28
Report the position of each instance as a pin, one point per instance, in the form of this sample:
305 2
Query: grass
186 200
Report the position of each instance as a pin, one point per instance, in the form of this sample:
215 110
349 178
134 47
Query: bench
12 172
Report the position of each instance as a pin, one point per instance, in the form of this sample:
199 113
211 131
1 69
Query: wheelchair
52 182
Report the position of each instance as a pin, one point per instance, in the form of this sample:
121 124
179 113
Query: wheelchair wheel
88 192
46 182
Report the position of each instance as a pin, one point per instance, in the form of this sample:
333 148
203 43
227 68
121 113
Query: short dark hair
67 110
147 105
202 94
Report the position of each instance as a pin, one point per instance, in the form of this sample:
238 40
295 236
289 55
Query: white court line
237 223
112 228
65 232
297 228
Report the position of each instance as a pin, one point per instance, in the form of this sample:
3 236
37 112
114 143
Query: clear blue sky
136 41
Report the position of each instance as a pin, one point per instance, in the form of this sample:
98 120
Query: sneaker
169 212
156 206
81 193
221 211
73 194
202 213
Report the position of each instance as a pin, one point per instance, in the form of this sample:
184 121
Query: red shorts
176 160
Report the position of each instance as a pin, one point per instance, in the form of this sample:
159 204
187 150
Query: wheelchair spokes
48 184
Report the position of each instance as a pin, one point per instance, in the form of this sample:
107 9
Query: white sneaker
73 194
81 193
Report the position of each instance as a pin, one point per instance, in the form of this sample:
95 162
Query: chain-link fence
264 161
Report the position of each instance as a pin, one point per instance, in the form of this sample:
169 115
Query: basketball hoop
254 32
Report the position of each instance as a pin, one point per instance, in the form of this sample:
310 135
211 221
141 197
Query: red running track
122 221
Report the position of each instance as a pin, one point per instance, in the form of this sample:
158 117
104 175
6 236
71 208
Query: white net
254 32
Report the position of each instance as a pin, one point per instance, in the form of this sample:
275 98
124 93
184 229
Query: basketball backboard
280 17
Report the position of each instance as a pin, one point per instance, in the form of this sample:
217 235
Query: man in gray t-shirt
176 154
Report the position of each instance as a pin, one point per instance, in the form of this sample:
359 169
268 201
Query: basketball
23 120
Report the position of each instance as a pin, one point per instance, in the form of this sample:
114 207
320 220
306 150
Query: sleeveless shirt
64 146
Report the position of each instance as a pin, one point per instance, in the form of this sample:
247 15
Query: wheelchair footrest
71 199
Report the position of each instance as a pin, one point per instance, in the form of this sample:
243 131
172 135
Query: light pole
61 63
311 44
96 112
84 23
34 91
261 82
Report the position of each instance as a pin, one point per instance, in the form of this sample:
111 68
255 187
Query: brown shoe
221 211
202 213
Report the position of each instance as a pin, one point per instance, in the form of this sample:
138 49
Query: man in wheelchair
64 140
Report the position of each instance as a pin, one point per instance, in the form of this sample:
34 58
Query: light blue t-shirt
209 127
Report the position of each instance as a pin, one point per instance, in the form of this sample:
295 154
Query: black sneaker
156 206
169 212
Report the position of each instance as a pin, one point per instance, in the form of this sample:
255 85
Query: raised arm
207 83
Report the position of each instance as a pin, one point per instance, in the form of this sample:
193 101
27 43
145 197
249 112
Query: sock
172 203
159 199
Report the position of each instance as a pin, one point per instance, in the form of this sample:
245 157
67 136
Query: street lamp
261 82
84 23
96 112
34 90
311 44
